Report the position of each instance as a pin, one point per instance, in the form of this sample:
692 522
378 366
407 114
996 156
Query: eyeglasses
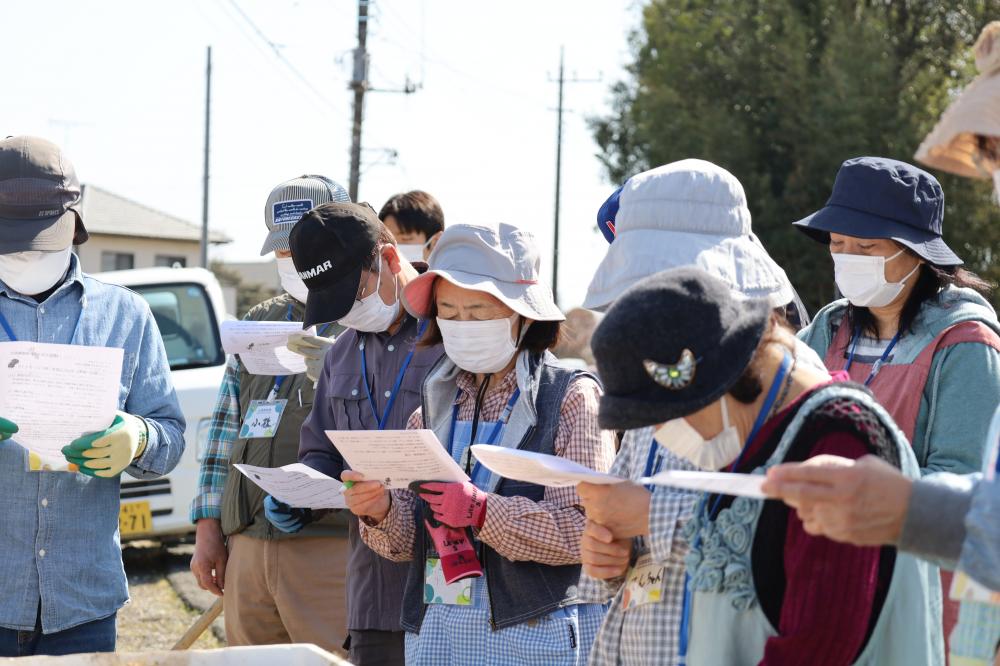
366 278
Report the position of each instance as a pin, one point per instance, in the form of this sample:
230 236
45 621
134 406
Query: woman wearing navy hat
913 325
719 375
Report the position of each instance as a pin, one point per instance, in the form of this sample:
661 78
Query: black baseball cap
331 245
39 197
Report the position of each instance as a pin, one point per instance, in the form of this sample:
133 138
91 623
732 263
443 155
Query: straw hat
951 145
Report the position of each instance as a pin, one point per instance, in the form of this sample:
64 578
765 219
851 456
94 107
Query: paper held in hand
263 346
722 483
297 485
396 457
540 468
56 393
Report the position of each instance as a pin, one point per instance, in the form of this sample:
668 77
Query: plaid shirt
221 435
646 634
517 528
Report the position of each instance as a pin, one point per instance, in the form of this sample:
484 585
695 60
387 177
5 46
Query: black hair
414 212
750 384
931 280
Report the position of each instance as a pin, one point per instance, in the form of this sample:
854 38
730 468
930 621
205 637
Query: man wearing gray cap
61 576
235 544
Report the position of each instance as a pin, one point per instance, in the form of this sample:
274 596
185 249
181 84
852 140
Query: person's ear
391 256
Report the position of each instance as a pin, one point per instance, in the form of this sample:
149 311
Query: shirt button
391 347
388 394
41 553
354 391
45 501
42 309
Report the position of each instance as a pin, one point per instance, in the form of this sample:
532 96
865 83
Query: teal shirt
963 385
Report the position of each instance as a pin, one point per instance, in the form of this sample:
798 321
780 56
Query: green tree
781 92
247 294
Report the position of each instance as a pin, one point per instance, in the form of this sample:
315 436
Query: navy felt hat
606 215
876 197
672 344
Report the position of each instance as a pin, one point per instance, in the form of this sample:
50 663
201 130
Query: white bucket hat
951 145
687 213
501 261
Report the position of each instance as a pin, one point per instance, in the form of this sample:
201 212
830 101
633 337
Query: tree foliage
780 92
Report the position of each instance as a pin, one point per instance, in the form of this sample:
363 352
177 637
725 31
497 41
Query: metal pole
359 84
204 179
555 236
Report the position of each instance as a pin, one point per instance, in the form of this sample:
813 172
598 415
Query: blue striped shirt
60 529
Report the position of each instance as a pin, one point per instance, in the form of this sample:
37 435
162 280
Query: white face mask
290 280
371 314
411 251
479 346
861 279
34 272
680 437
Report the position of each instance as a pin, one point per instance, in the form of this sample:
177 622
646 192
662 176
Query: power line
276 50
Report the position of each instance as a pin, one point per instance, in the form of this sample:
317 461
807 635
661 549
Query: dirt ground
157 616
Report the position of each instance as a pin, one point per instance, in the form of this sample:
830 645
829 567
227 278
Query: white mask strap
725 413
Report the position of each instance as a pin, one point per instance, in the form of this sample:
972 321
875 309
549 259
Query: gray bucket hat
289 201
501 261
39 195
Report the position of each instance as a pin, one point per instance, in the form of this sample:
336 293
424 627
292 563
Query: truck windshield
183 312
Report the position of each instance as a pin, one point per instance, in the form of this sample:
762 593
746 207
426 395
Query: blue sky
120 84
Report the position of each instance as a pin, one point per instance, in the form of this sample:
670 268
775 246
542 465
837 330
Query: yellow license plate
135 518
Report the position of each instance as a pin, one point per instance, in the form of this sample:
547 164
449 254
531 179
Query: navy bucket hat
877 197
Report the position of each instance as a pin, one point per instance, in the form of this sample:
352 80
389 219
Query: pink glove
458 555
454 504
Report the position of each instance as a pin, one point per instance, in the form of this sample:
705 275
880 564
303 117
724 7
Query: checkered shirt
517 528
222 432
646 634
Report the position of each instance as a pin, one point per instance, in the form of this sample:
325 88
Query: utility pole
562 80
359 83
555 233
204 178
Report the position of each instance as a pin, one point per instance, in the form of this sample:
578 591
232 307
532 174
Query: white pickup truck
188 306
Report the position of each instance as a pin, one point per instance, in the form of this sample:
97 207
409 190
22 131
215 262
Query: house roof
107 213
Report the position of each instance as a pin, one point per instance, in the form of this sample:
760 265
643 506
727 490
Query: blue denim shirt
59 543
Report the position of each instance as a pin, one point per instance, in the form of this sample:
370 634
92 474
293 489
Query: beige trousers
286 591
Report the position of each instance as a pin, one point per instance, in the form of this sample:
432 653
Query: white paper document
57 393
722 483
540 468
297 485
263 346
396 457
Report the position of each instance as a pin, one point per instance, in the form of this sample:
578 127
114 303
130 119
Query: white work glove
107 453
313 349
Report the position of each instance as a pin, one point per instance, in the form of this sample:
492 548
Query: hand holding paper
263 346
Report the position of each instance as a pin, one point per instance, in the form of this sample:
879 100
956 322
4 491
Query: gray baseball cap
39 197
289 201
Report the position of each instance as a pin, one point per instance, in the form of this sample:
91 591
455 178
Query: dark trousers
369 647
96 636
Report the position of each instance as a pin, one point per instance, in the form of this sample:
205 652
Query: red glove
454 504
458 555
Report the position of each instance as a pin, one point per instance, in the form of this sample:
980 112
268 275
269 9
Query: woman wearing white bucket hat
690 213
509 594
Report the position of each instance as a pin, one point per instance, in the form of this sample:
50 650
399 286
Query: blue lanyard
13 338
653 462
494 434
878 364
765 411
395 388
